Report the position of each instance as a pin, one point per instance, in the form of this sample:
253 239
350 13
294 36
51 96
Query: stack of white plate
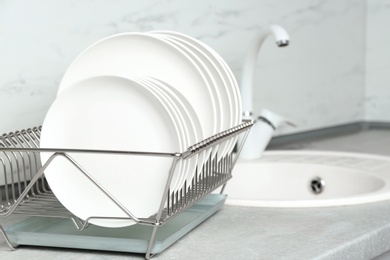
159 91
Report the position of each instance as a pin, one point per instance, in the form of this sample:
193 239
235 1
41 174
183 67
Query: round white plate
186 128
132 54
191 120
215 61
110 113
217 84
182 129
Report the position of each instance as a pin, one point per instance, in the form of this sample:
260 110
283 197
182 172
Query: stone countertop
351 232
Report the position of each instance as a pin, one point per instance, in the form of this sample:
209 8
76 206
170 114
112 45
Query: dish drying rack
27 193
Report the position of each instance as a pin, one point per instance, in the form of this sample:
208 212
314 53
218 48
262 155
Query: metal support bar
7 241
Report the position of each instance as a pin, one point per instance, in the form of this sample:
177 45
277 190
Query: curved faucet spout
282 39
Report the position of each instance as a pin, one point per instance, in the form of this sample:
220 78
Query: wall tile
316 82
377 98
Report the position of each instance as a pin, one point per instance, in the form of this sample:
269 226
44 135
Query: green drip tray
55 232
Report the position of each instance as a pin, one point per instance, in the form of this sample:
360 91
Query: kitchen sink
309 179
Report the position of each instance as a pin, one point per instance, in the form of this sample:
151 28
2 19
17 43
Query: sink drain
317 185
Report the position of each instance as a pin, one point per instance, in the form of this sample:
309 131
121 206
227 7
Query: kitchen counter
351 232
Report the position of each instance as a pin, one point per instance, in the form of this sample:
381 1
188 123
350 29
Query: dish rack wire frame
28 193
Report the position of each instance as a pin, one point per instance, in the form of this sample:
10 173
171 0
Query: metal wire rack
25 190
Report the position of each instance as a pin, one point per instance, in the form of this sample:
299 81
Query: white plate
222 70
225 70
191 120
186 128
132 54
184 131
110 113
215 80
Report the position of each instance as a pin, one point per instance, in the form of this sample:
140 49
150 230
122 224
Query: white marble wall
377 98
316 82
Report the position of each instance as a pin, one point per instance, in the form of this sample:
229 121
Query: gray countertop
351 232
354 232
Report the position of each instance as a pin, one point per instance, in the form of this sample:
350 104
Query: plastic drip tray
54 232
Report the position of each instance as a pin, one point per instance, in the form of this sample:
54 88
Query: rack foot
7 241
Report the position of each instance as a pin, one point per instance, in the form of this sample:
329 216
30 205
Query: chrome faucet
266 121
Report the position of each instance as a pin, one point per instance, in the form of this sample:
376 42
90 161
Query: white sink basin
287 179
